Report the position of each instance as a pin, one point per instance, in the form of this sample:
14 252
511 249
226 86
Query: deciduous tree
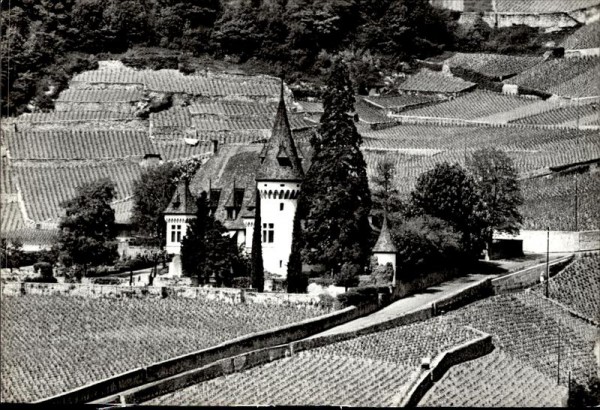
87 231
449 193
496 181
152 193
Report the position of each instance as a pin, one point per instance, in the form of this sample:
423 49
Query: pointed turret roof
279 157
182 201
384 244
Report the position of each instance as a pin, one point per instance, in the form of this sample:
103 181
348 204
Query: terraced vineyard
72 116
588 36
44 188
306 379
583 85
435 82
51 344
173 81
493 65
415 149
7 184
507 138
177 150
367 113
406 345
234 109
577 286
522 370
562 115
494 380
550 202
523 327
471 106
565 77
369 370
100 95
11 217
68 145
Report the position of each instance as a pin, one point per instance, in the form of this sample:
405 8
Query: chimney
215 146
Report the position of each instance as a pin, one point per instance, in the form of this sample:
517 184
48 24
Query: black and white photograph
339 203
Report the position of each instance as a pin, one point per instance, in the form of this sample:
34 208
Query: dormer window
215 195
238 197
284 162
213 202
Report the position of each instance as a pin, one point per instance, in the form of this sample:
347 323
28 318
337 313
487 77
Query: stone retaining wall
470 350
528 277
227 295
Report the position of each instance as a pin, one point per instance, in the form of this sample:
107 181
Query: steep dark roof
278 148
182 202
385 244
235 164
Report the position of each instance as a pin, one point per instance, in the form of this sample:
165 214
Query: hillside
576 286
522 370
369 370
110 118
553 202
573 77
49 346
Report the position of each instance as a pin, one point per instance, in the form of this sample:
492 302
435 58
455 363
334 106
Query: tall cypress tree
336 200
258 272
297 282
193 250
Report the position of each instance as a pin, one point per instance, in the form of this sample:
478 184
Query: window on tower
268 233
176 233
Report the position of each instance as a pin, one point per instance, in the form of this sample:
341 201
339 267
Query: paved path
409 303
425 297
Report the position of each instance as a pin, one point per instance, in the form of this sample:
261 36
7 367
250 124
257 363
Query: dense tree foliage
152 193
207 251
449 193
498 188
12 255
476 201
425 243
43 41
517 39
335 200
87 230
584 395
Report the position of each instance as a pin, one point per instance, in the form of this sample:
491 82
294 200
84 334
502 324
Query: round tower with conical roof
181 211
278 181
384 250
